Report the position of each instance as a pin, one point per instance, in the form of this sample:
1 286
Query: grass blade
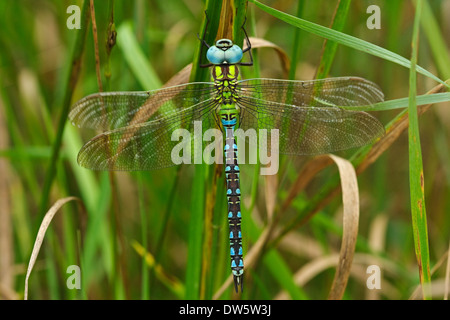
350 199
436 40
345 39
142 69
329 49
416 177
198 198
40 237
195 243
404 102
295 55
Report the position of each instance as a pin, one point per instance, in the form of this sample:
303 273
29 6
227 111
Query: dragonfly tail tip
238 282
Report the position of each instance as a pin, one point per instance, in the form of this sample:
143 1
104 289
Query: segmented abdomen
234 206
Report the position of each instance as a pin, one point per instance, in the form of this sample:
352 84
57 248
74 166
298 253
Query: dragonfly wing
149 145
111 110
308 130
331 92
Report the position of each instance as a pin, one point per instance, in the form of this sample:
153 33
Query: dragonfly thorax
224 52
225 80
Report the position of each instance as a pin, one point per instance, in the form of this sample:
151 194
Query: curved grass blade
41 234
345 39
350 199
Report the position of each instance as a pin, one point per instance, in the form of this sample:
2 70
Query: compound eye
215 55
233 55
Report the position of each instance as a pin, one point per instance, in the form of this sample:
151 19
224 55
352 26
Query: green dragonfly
307 116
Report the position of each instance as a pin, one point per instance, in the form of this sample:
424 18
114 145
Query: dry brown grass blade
226 20
41 234
97 55
261 43
350 196
350 199
181 77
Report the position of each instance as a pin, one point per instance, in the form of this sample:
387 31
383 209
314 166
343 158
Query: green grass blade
281 272
296 41
345 39
436 41
416 177
330 47
404 102
213 9
240 9
136 59
198 198
195 243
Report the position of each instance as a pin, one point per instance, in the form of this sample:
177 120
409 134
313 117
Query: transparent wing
149 145
307 113
331 92
111 110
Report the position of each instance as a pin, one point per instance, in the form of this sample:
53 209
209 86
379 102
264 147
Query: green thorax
225 79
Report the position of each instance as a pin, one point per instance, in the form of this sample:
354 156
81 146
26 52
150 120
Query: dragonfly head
224 52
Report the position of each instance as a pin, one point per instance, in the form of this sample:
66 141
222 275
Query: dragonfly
311 117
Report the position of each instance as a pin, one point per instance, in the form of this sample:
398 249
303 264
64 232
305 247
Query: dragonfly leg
249 47
204 44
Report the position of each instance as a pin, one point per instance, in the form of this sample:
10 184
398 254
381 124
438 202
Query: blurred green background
129 214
